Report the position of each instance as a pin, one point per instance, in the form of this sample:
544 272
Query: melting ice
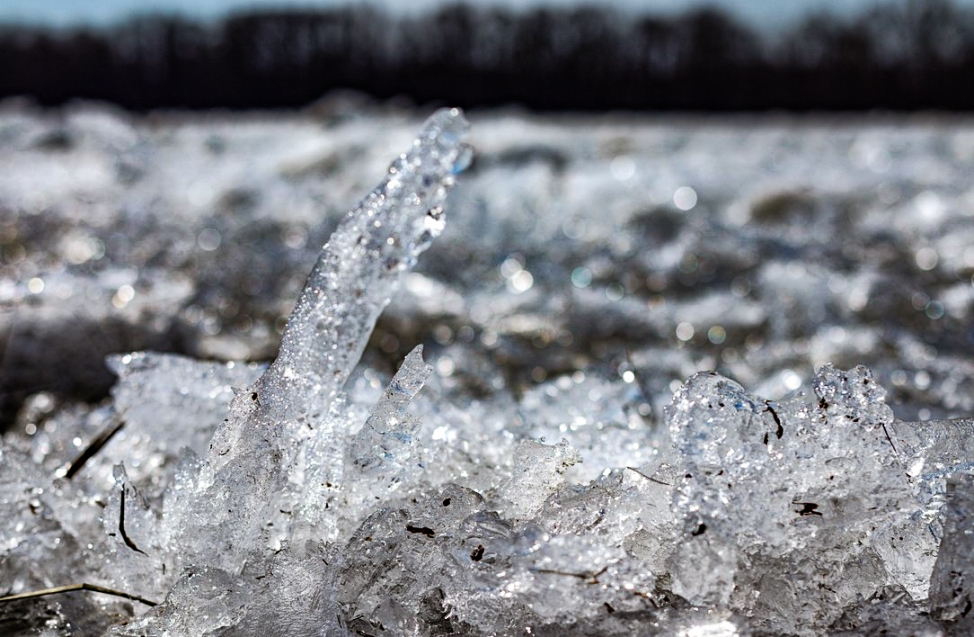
297 499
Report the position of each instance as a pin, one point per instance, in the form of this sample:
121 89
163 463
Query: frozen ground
588 267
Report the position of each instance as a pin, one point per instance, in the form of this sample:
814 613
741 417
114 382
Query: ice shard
360 267
381 451
273 461
952 584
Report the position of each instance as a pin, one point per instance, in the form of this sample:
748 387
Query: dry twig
84 586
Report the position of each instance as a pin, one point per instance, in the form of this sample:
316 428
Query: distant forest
918 55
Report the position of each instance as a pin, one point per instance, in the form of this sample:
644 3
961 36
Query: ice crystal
952 584
384 449
266 479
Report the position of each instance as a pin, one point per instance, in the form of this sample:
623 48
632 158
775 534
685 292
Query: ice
539 471
274 460
255 501
800 487
384 451
215 221
546 433
951 597
360 266
152 398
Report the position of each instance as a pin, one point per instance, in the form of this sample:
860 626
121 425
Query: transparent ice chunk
952 583
254 479
360 267
384 446
539 470
153 397
779 482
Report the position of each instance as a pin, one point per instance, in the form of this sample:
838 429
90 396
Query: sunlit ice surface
678 376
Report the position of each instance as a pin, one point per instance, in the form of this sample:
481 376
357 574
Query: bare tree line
916 55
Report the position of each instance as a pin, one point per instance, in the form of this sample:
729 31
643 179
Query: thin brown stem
84 586
93 447
651 479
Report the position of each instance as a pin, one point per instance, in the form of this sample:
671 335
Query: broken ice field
305 497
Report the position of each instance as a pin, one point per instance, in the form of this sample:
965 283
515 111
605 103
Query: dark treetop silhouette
903 57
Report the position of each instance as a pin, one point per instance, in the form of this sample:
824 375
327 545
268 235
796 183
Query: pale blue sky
766 13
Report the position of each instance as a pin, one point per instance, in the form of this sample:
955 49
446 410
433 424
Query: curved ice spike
271 464
359 269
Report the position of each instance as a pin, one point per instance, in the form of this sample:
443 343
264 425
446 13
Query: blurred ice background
762 247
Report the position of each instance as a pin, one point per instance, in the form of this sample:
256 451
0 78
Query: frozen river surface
761 247
588 267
